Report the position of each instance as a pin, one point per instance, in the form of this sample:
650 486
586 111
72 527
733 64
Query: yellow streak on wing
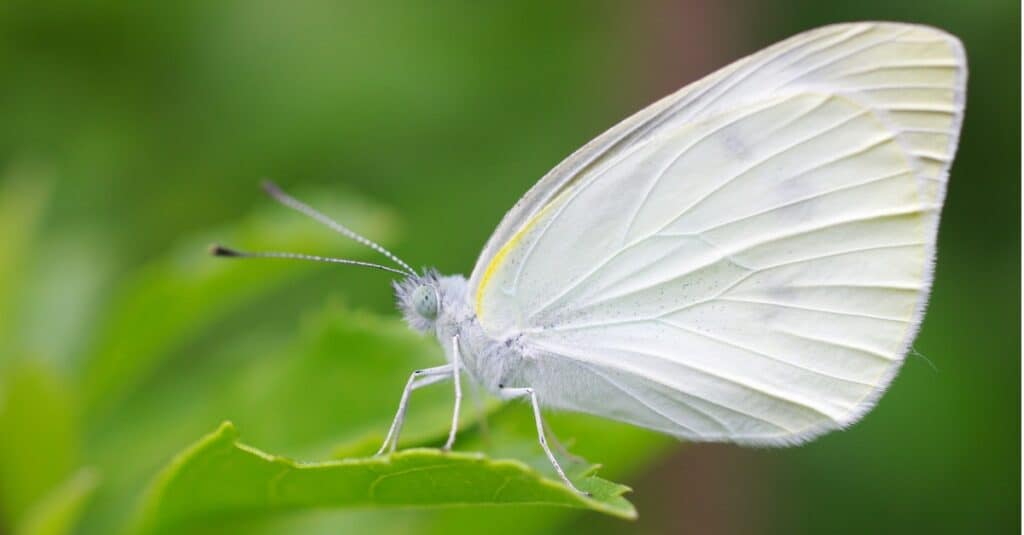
514 241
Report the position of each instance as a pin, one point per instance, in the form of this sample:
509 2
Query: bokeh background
131 134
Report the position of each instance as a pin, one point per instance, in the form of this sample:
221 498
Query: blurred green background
131 135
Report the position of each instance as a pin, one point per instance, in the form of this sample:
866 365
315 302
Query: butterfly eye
424 299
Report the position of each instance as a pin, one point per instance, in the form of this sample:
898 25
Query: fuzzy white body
510 365
432 303
494 364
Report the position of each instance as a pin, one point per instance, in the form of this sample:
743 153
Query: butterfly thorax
440 304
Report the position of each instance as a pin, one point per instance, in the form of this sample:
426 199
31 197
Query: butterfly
746 260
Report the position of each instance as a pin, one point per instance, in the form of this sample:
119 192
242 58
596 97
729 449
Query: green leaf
219 476
59 511
69 275
39 440
23 198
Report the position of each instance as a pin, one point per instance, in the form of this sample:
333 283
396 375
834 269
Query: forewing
758 244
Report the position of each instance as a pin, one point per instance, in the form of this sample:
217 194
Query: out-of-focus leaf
59 511
172 301
219 476
70 274
39 441
23 197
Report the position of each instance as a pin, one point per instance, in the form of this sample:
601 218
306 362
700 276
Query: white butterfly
746 260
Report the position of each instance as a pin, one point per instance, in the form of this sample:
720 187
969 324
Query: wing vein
572 286
752 388
884 87
654 409
769 59
809 230
835 59
801 200
773 358
700 234
724 291
842 345
813 309
582 187
661 174
854 286
919 65
764 161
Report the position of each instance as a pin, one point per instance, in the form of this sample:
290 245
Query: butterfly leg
456 378
510 393
417 379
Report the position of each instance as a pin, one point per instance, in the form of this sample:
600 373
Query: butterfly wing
749 258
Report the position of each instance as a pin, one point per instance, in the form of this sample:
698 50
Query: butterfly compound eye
425 301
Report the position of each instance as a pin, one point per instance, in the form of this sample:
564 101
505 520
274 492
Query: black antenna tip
220 250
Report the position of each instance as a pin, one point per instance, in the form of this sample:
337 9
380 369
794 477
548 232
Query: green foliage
23 196
174 300
40 447
58 513
221 476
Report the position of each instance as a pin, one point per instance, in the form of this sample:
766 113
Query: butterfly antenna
291 202
220 250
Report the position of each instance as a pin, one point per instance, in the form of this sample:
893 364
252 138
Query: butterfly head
419 298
